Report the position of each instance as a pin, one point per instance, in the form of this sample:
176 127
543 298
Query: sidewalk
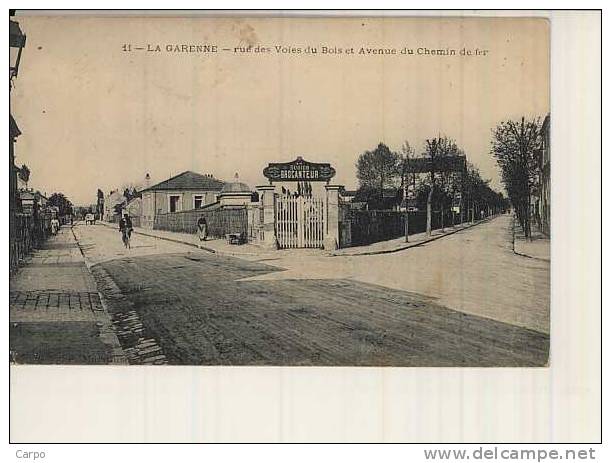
56 315
221 247
399 244
255 252
538 247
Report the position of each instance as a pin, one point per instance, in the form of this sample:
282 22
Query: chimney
147 180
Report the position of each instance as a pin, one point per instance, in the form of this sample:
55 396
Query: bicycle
126 234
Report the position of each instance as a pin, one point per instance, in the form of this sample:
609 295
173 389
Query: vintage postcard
280 191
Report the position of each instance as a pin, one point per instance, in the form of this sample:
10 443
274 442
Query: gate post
269 215
331 241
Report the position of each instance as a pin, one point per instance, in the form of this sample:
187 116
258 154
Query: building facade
544 176
18 232
185 191
30 200
235 194
111 200
133 208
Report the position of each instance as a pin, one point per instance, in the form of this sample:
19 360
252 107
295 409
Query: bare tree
407 153
513 146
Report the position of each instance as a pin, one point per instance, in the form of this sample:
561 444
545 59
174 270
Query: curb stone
331 254
173 240
196 246
414 245
103 320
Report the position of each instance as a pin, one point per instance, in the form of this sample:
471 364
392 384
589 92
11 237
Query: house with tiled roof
185 191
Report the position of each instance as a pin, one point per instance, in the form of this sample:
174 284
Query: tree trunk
429 199
404 181
441 207
523 213
527 233
381 192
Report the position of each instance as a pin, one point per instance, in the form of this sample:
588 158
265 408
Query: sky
95 116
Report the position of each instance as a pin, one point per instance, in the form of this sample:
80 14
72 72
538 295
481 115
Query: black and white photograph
253 197
280 191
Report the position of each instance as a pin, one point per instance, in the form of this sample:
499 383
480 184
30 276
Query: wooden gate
300 221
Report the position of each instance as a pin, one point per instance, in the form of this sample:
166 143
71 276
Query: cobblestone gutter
104 322
139 347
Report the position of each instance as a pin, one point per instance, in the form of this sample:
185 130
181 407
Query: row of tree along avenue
439 179
519 148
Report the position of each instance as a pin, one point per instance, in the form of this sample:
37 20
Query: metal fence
220 222
368 227
300 221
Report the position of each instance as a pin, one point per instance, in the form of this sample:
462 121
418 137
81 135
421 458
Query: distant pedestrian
54 226
202 228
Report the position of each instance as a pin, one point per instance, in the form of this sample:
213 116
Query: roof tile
189 181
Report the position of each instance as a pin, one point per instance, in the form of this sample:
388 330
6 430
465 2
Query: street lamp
16 44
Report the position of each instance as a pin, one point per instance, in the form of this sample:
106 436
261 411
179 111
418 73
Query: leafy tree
377 170
475 189
436 149
100 203
479 196
130 193
61 202
513 146
24 174
377 201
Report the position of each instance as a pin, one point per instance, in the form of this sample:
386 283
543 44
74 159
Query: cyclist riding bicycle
126 228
